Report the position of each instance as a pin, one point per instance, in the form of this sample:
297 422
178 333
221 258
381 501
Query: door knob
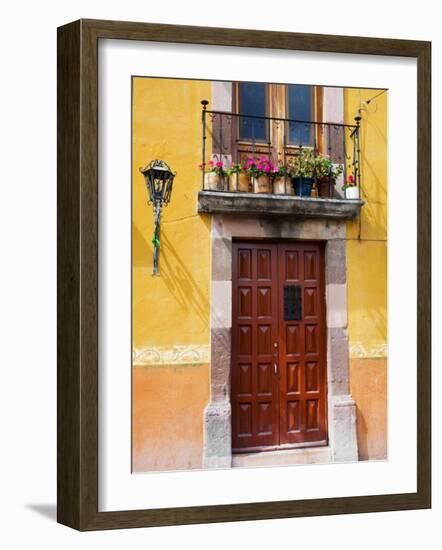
275 368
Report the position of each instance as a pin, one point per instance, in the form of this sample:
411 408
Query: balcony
267 166
261 204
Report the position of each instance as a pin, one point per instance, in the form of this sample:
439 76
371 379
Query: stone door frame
342 438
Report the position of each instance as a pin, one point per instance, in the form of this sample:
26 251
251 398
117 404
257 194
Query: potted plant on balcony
239 179
304 167
351 188
326 173
215 176
260 172
282 179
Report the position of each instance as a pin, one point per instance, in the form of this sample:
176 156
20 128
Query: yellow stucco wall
367 276
174 307
170 315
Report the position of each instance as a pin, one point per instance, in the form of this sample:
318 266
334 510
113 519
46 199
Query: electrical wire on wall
364 106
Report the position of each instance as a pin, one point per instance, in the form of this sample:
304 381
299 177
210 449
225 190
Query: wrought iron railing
231 138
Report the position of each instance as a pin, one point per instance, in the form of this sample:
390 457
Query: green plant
325 168
235 168
304 164
282 170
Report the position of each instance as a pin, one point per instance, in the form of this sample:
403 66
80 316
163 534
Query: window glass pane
300 106
252 101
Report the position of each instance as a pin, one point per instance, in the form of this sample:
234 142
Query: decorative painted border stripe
171 355
357 351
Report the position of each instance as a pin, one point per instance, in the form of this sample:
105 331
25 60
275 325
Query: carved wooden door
278 346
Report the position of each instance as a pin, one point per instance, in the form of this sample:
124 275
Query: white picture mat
119 489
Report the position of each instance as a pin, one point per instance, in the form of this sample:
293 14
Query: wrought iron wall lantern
159 181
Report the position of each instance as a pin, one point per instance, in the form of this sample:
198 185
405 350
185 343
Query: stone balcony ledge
222 202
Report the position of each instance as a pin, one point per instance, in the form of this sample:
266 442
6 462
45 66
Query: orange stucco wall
368 386
167 416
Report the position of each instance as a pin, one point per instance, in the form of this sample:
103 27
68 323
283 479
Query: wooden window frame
317 114
276 106
246 147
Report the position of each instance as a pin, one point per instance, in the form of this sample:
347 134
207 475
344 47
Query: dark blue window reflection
252 101
300 107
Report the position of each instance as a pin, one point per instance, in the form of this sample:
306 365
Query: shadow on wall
361 429
140 248
373 170
175 274
180 282
371 318
374 216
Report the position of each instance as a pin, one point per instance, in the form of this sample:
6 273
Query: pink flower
351 179
219 164
211 163
266 168
250 161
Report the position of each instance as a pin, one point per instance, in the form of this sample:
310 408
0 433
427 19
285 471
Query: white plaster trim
359 351
171 355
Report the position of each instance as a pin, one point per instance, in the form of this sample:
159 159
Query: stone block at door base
217 435
343 437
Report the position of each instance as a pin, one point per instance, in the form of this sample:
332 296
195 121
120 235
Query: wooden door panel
293 340
293 416
291 267
311 305
278 365
255 390
310 266
293 378
302 358
244 379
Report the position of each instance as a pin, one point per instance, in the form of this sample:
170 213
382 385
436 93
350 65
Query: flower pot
303 186
282 186
213 182
239 182
289 188
262 184
352 192
325 188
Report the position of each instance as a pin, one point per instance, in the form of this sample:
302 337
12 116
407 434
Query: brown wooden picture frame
77 225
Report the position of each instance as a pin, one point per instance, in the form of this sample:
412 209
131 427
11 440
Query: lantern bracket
159 182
